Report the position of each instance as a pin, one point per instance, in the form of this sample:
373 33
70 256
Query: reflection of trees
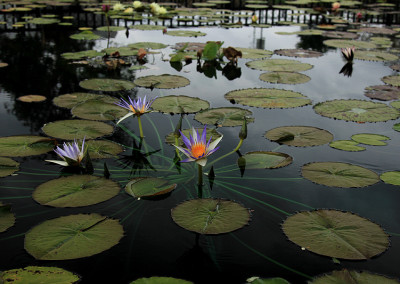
313 42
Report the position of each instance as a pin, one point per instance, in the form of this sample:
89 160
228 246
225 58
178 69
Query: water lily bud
243 130
105 8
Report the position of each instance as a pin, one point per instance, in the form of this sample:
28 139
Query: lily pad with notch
147 45
391 177
98 110
7 218
374 55
299 136
8 166
343 43
164 81
266 160
102 149
283 77
383 93
179 104
297 52
73 99
393 80
149 187
38 274
278 65
224 116
370 139
211 133
343 276
107 85
346 145
25 145
254 53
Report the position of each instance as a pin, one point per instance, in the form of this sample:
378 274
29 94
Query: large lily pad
210 216
38 274
77 129
340 35
85 35
383 93
73 99
98 110
160 280
185 33
43 21
343 43
253 53
356 110
266 160
107 85
7 218
283 77
278 65
148 45
81 54
299 136
73 236
224 116
392 177
336 234
111 28
211 133
75 191
370 139
148 186
147 27
339 174
378 30
268 98
25 145
352 276
8 166
374 55
101 149
164 81
303 53
393 80
179 104
346 145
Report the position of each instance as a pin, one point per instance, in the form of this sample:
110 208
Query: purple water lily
71 154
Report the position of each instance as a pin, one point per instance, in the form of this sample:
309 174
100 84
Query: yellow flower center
198 150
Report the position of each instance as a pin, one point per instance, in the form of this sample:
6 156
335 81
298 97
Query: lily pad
8 166
374 55
346 145
299 136
278 65
340 35
211 132
224 116
24 145
303 53
356 110
85 35
185 33
147 45
392 177
395 104
370 139
81 54
160 280
122 51
111 28
339 174
179 104
343 43
75 191
378 30
383 93
31 98
282 77
73 236
77 129
266 160
107 85
43 21
147 27
164 81
73 99
393 80
101 149
98 110
336 234
38 274
356 277
210 216
148 186
268 98
7 218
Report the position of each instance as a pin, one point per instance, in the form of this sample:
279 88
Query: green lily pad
210 216
138 67
370 139
8 166
396 127
278 65
25 145
343 43
160 280
383 93
299 136
147 27
102 149
339 174
85 35
356 110
148 187
98 110
179 104
107 85
393 80
253 53
43 21
224 116
164 81
211 132
378 30
346 145
111 28
38 274
7 218
303 53
268 98
148 45
81 54
340 35
73 99
392 177
266 160
374 55
352 276
77 129
75 191
122 50
185 33
284 77
336 234
73 236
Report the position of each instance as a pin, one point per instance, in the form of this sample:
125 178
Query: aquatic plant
71 154
348 53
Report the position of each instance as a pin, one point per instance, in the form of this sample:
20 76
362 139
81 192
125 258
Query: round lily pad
179 104
148 186
344 276
85 35
378 30
343 43
25 145
299 136
374 55
122 51
346 145
224 116
148 45
393 80
396 127
356 110
278 65
392 177
31 98
75 191
77 129
339 174
164 81
210 216
340 35
303 53
106 85
282 77
8 166
81 54
7 218
101 149
147 27
268 98
73 99
211 133
370 139
160 280
336 234
38 274
73 236
43 21
266 160
185 33
383 93
111 28
395 104
253 53
98 110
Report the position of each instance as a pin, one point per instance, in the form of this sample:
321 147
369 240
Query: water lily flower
162 11
335 6
118 7
128 10
254 19
198 149
105 8
348 53
72 155
137 4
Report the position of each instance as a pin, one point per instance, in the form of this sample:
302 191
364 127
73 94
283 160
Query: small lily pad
31 98
345 276
8 166
343 43
43 21
299 136
211 132
38 274
374 55
107 85
160 280
266 160
336 234
370 139
81 54
75 191
393 80
24 145
346 145
101 149
210 216
340 35
392 177
7 218
383 93
224 116
278 65
98 110
147 27
164 81
73 99
253 53
111 28
339 174
179 104
284 77
85 35
147 45
148 186
303 53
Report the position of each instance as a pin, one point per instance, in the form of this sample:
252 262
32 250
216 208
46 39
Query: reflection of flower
71 154
347 69
348 53
118 7
137 4
198 149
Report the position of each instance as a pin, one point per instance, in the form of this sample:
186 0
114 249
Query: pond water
152 243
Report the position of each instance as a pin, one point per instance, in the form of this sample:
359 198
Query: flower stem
200 181
140 127
230 153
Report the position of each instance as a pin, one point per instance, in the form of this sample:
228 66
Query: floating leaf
77 129
343 43
351 276
253 53
24 145
179 104
38 274
148 186
278 65
370 139
340 35
210 216
211 132
75 191
31 98
73 236
185 33
101 149
393 80
111 28
8 166
378 30
43 21
374 55
268 98
7 218
284 77
98 110
160 280
81 54
73 99
339 174
147 45
122 51
224 116
266 160
383 93
303 53
147 27
346 145
392 177
299 136
356 110
107 85
276 280
164 81
85 35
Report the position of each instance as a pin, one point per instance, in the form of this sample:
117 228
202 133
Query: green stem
200 175
140 127
230 153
